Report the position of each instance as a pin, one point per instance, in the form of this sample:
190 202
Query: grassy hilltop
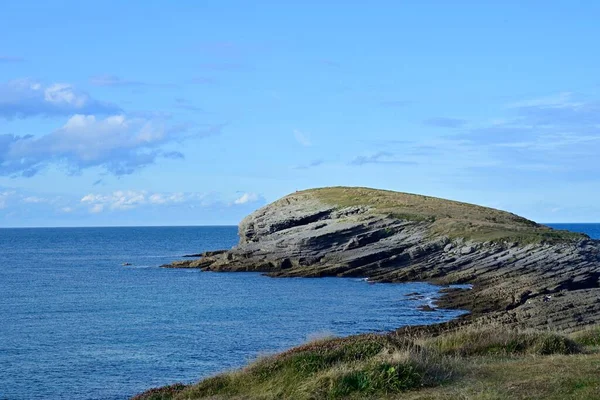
451 218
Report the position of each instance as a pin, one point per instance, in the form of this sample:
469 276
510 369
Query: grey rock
466 250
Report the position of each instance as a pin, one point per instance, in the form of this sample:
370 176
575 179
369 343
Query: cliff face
522 273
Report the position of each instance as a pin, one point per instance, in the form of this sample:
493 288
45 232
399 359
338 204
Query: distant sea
592 229
75 323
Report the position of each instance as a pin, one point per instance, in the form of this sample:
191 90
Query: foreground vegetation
468 363
452 218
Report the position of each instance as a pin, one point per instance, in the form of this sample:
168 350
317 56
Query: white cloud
34 199
129 199
15 197
302 138
119 200
247 198
4 197
97 208
161 198
111 204
116 143
26 97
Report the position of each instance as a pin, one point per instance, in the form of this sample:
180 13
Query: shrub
377 378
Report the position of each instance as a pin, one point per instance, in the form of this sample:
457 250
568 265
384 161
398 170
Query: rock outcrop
523 274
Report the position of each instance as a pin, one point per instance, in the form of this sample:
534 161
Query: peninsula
523 275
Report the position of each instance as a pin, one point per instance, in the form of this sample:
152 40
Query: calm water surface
76 324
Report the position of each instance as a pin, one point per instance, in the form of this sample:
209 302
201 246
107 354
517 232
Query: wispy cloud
330 63
312 164
185 104
382 157
11 59
302 137
11 198
549 122
25 98
112 80
34 199
554 100
547 139
115 81
203 80
445 122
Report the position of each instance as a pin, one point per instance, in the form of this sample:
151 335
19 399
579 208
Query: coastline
524 276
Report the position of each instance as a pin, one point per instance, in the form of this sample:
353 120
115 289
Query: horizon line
209 226
120 226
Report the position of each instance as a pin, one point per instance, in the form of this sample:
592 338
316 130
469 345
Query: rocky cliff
523 274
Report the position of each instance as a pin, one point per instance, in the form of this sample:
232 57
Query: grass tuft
502 342
588 337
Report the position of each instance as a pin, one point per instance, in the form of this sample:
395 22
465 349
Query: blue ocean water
591 229
77 324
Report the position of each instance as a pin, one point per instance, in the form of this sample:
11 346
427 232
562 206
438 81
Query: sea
76 323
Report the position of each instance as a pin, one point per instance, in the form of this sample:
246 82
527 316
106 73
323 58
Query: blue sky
171 113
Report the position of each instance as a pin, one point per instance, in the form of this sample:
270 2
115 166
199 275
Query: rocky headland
523 274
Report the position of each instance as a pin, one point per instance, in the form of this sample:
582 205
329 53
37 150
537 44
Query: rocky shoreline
523 274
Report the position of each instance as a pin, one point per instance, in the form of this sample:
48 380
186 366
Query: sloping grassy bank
470 362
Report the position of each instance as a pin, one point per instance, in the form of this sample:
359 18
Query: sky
197 113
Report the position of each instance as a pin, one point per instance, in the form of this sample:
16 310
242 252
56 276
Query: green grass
588 337
495 341
452 218
478 363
